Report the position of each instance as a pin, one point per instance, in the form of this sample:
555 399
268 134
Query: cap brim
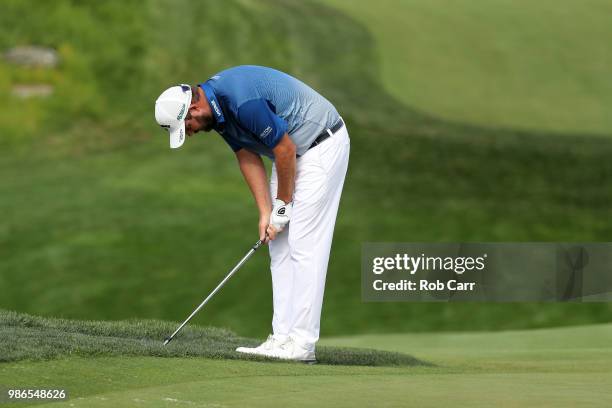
177 136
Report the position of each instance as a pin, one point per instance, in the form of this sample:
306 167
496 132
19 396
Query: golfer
260 111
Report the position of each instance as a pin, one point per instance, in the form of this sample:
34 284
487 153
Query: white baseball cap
170 110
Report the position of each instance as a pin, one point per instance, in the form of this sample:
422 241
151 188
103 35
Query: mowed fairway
569 367
538 65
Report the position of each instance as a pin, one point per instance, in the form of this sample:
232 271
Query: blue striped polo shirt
255 106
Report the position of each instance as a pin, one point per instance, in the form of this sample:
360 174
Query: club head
167 340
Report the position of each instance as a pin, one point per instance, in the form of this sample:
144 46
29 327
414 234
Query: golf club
229 275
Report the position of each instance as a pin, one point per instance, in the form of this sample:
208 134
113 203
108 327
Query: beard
202 122
205 123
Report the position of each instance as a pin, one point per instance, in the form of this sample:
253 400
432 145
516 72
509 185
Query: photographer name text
422 263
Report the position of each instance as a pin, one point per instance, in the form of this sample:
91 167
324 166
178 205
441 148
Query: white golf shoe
290 350
273 341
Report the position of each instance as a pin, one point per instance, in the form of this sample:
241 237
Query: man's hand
264 223
281 214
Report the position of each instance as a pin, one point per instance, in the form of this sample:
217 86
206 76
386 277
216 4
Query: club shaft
219 286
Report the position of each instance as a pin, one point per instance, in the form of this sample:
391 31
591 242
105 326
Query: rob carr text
412 264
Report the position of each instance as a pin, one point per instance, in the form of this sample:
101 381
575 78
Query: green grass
102 221
567 367
496 63
25 337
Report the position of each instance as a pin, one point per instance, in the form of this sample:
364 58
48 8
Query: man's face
198 119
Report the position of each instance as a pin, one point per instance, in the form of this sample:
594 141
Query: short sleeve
258 117
231 144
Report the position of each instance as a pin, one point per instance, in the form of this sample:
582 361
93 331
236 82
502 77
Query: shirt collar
213 102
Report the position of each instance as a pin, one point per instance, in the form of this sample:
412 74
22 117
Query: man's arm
258 117
254 173
284 159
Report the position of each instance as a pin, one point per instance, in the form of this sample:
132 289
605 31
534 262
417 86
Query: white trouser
299 255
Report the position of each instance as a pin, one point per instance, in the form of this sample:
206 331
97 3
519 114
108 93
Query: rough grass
26 337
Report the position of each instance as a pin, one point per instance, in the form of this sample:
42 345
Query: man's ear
194 109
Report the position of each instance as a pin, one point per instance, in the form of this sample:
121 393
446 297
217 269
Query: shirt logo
266 132
215 107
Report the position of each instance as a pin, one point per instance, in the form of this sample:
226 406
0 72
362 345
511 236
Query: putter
219 286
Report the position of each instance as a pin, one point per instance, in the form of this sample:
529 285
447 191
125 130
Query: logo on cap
180 114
